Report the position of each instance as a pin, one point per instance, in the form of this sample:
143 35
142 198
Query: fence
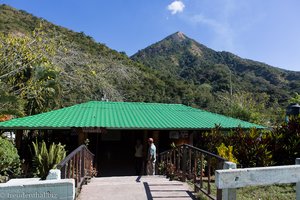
197 165
77 165
229 180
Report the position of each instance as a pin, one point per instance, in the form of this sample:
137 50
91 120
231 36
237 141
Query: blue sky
262 30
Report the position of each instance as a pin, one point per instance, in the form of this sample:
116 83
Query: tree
295 99
10 104
10 164
245 106
28 75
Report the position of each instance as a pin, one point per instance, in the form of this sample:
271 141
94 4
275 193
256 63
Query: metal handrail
77 165
197 165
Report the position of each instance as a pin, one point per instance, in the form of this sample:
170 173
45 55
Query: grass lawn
273 192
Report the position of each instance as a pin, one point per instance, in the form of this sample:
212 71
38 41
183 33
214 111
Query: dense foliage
10 164
286 145
254 148
44 67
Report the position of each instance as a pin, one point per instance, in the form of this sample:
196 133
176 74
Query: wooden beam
236 178
229 193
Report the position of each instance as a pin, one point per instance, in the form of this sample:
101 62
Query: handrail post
219 191
229 193
208 174
298 183
201 170
195 171
82 158
63 172
184 160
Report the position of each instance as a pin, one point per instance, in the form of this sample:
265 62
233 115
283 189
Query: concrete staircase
135 188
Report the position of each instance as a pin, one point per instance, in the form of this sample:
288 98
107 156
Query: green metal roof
126 115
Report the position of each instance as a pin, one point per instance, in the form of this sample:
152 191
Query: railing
77 165
229 180
197 165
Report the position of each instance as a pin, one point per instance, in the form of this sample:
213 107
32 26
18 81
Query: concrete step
169 194
134 187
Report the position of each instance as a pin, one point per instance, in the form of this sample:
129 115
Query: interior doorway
114 151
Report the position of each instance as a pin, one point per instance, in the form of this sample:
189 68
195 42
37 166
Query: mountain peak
178 36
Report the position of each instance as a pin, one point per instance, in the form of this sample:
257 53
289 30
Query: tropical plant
45 159
286 142
226 152
10 164
259 145
252 147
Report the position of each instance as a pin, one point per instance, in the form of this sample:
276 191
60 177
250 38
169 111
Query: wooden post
298 183
229 193
219 191
196 157
156 139
184 161
208 174
191 138
18 142
82 163
82 136
145 151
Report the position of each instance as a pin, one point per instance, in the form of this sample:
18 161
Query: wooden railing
186 162
230 180
77 165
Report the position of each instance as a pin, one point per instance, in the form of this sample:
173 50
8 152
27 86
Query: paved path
135 188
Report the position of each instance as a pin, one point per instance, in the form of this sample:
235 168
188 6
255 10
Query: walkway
135 188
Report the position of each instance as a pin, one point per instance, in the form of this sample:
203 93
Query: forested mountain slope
180 56
36 54
44 66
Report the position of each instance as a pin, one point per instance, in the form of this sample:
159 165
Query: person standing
151 157
138 156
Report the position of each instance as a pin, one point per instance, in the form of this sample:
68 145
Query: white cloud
176 7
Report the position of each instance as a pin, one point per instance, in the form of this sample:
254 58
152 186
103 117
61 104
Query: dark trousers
138 165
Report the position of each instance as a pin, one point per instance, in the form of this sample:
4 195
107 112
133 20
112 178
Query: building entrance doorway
114 152
114 149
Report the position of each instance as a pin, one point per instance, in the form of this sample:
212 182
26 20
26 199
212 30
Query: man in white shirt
151 157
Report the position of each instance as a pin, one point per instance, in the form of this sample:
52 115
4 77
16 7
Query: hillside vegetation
36 53
44 66
230 80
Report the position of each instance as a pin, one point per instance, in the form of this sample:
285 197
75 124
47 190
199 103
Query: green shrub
286 142
10 164
251 148
45 159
